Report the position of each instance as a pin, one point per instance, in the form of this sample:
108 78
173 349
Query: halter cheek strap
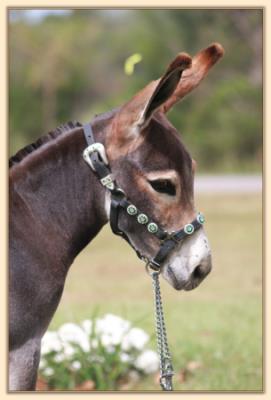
95 157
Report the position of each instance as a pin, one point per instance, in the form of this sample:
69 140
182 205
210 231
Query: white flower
107 341
125 358
48 371
72 333
50 342
111 323
147 362
111 329
68 350
136 338
76 365
87 326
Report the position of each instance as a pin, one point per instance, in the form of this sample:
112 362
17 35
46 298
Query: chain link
166 368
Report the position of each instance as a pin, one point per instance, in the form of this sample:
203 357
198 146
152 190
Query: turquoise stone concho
200 218
142 219
189 229
152 227
131 209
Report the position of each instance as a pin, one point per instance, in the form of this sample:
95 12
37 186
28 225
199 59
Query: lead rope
166 368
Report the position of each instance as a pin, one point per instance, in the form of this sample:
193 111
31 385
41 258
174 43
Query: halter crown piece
95 157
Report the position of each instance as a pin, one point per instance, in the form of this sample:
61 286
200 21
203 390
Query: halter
95 157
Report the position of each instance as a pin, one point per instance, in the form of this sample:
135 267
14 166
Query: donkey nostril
199 272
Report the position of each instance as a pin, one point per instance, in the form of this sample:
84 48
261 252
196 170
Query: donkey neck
58 195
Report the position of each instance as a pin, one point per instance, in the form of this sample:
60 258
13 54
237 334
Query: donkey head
153 167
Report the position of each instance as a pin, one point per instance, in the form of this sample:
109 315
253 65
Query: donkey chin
190 263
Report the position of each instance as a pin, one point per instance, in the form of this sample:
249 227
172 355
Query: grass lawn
218 325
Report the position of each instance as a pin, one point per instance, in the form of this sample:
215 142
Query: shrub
106 351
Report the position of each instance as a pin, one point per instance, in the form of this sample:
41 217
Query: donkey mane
30 148
64 128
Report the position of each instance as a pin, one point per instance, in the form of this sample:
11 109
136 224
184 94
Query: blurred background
69 65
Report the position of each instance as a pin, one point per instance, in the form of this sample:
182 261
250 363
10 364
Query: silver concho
152 227
142 219
131 209
189 229
200 218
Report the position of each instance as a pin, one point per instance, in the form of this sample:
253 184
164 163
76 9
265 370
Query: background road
228 183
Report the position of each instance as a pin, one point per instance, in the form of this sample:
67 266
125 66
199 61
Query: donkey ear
139 110
166 86
201 64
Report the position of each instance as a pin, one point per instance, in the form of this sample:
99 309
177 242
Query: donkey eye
163 186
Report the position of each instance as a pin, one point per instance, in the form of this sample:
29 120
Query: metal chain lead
166 368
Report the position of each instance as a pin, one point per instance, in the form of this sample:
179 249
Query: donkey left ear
139 110
202 62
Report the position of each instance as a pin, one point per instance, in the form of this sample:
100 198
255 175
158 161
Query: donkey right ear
136 114
165 87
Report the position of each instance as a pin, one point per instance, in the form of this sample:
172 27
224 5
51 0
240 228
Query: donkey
57 204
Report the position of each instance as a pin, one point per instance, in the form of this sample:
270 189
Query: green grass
218 324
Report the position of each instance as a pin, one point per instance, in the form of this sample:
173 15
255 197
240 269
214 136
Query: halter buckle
99 148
